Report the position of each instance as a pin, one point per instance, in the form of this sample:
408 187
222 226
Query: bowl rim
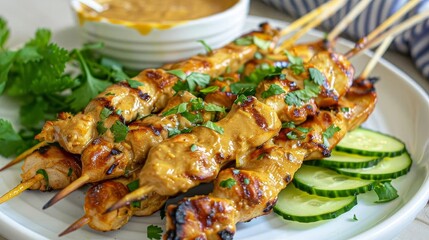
214 17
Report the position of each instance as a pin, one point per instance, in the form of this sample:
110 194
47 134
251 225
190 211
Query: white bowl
124 43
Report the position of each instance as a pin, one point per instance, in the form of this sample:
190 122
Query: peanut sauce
145 15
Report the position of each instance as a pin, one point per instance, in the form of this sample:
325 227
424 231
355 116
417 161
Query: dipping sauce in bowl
150 33
159 10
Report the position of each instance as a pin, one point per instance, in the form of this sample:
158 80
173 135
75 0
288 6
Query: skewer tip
66 191
139 194
76 225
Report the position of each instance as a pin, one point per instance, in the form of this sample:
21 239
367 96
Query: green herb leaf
119 130
274 89
316 76
289 124
133 185
154 232
193 118
385 192
70 172
228 183
355 218
210 107
178 73
134 83
213 126
194 148
197 79
242 88
329 133
208 49
262 44
296 63
240 99
244 41
45 176
4 32
246 181
209 89
345 109
105 113
177 109
11 141
298 97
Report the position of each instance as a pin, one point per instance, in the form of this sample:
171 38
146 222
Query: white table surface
25 16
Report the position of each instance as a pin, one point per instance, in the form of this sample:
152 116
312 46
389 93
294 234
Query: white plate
402 111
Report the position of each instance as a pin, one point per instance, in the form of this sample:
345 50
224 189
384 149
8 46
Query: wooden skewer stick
76 225
136 195
377 55
345 22
392 32
364 42
23 155
315 22
67 190
309 16
20 188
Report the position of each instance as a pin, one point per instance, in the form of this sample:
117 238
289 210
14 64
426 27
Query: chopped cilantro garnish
355 218
178 73
173 131
177 109
133 185
248 40
296 63
289 124
134 83
244 41
345 109
298 97
101 129
274 89
210 107
316 76
208 49
154 232
329 133
105 113
262 155
193 118
240 99
194 148
258 55
228 183
45 176
209 89
243 88
385 191
298 133
70 172
213 126
119 130
246 181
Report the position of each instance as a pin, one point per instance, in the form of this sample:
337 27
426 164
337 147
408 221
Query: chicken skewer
250 190
85 177
105 159
45 169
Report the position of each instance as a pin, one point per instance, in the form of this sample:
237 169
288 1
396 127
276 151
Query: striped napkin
414 41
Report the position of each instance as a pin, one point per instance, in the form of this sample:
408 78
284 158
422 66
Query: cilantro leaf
316 76
45 176
119 130
213 126
228 183
175 110
89 89
208 49
261 43
328 133
197 79
154 232
4 32
178 73
11 141
385 191
210 107
209 89
274 89
134 83
243 88
298 97
296 63
244 41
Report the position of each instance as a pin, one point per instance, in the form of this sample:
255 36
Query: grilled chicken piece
241 194
61 167
186 160
106 159
74 133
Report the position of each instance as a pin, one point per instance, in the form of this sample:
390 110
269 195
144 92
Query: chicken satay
47 168
241 194
186 160
154 88
105 158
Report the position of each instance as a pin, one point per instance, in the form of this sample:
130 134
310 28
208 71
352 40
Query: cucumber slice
366 142
296 205
328 183
388 168
345 160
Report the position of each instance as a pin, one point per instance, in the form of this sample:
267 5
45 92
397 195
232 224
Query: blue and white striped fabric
414 41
